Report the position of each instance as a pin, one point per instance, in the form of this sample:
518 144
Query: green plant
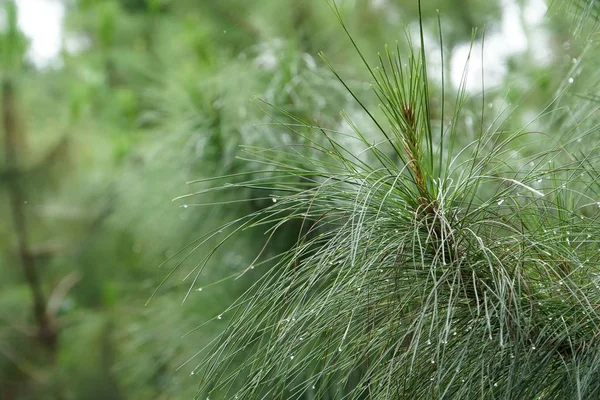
427 265
583 12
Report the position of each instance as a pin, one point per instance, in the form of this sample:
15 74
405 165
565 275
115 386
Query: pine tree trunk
47 333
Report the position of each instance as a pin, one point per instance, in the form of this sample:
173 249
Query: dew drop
339 349
219 316
532 347
433 361
500 202
495 384
274 200
313 386
428 342
291 357
185 206
199 289
570 80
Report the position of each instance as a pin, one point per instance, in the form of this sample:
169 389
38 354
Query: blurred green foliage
150 94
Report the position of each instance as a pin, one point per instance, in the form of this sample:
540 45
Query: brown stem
46 329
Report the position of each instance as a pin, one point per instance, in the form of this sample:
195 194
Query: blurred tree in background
150 94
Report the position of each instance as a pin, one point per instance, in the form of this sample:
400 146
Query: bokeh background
108 109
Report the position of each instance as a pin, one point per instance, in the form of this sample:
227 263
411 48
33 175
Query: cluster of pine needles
425 266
